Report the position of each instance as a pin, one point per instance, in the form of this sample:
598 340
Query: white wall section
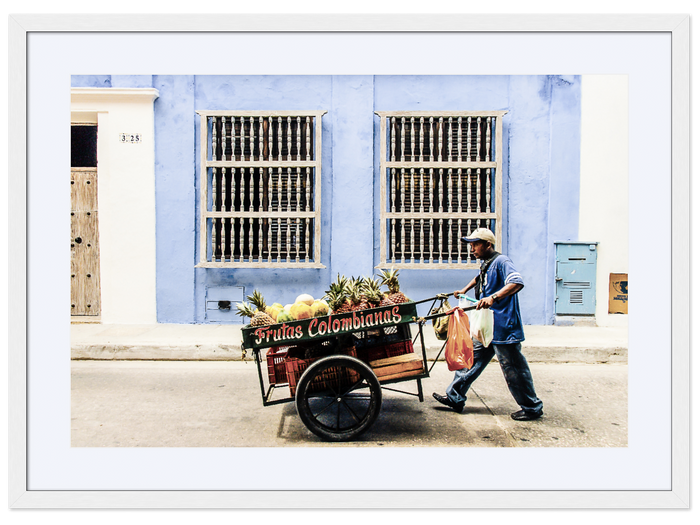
126 200
604 205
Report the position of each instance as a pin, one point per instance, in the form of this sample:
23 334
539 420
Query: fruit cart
334 367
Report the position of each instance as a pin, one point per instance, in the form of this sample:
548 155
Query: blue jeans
515 370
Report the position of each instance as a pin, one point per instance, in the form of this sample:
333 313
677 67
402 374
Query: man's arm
464 290
508 289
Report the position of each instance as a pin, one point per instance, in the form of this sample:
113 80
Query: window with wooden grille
260 189
440 178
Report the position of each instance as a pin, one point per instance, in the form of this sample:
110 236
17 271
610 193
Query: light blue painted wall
353 176
91 81
541 153
175 198
543 190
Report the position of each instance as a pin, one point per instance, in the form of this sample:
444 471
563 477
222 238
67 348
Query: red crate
276 371
296 367
383 351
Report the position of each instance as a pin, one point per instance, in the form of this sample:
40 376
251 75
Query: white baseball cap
481 234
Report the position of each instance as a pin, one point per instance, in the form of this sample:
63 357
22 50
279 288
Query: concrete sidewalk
211 342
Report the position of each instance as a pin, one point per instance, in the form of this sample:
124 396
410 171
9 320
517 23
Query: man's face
480 248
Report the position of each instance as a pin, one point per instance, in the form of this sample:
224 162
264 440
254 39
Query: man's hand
486 302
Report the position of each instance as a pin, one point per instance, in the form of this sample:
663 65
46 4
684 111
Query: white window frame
208 165
394 164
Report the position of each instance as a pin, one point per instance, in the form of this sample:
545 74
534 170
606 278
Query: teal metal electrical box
575 275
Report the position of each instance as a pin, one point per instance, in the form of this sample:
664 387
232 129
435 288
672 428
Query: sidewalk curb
222 352
214 352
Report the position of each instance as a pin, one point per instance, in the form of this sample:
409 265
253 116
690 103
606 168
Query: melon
305 298
273 311
319 308
300 311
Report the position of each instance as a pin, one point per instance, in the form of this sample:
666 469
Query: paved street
218 404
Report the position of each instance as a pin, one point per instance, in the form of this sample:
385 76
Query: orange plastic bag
459 353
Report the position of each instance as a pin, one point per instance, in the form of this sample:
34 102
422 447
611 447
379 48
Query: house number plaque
130 138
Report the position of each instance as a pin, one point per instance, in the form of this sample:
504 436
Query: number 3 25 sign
130 138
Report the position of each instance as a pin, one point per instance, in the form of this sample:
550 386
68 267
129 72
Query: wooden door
85 248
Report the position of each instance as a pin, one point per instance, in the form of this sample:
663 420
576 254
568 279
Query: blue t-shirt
507 323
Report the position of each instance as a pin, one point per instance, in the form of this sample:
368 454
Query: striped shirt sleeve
512 276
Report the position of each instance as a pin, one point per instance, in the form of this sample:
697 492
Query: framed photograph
45 49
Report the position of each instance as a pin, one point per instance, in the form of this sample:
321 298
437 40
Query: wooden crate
400 366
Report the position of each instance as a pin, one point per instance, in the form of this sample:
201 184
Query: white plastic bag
481 324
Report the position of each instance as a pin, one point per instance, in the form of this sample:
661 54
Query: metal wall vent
576 297
573 284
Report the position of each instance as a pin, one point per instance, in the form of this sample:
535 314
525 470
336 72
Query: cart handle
441 296
444 296
441 314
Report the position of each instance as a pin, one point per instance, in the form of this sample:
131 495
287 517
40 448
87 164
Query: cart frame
354 325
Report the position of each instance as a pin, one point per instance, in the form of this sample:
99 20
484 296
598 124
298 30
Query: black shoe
457 407
521 415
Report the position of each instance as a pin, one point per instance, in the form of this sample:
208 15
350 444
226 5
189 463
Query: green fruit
284 317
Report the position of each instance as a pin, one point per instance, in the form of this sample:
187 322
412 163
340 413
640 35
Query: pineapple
372 291
257 318
391 280
259 301
356 295
338 297
337 301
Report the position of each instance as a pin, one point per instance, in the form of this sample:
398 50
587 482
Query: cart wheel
338 398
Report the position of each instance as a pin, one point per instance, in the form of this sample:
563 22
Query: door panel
85 251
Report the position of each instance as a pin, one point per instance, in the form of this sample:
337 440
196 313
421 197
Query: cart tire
338 398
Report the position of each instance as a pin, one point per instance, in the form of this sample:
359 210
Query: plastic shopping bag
440 324
481 322
459 353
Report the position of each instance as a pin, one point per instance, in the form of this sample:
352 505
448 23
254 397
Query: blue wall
541 153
